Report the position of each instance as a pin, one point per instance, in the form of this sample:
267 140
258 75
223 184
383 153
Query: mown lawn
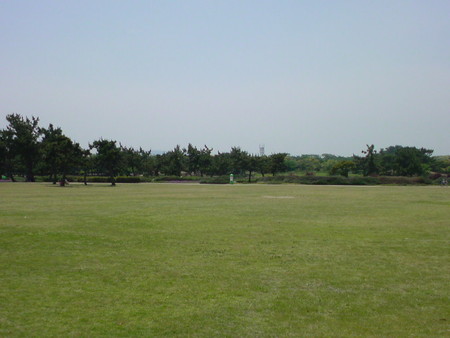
241 260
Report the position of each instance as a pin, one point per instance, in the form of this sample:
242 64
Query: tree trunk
29 175
62 183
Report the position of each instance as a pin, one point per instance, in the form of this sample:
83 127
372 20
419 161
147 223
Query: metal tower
261 150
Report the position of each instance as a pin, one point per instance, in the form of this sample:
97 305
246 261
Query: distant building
261 150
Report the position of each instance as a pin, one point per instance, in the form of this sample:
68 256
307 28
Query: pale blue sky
298 76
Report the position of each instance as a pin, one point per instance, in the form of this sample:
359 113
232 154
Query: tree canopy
109 158
27 150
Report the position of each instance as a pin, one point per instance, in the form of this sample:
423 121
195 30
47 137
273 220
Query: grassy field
228 260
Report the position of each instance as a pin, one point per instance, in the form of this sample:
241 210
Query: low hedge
215 180
129 179
320 180
340 180
176 179
105 179
403 180
314 180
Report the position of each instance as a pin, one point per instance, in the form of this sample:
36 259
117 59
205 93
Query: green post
231 179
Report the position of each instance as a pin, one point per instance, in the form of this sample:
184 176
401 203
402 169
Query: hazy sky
298 76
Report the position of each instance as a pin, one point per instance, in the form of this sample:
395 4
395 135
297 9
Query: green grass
228 260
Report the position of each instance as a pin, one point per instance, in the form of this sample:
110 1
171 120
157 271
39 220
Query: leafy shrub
434 176
364 180
176 179
404 180
95 179
216 180
128 179
332 180
340 180
321 180
106 179
46 179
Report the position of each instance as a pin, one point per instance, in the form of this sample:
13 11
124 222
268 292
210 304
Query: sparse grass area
227 260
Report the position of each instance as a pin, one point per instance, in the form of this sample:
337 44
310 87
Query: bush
129 179
434 176
94 179
364 180
321 180
404 180
216 180
106 179
176 179
313 180
340 180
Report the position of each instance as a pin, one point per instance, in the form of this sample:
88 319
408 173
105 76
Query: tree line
27 149
391 161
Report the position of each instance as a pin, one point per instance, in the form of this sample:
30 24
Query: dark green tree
410 161
8 158
158 164
25 141
132 160
252 165
239 160
192 159
276 163
173 162
221 164
59 153
370 167
109 158
71 158
147 162
263 165
86 163
51 150
205 160
387 159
